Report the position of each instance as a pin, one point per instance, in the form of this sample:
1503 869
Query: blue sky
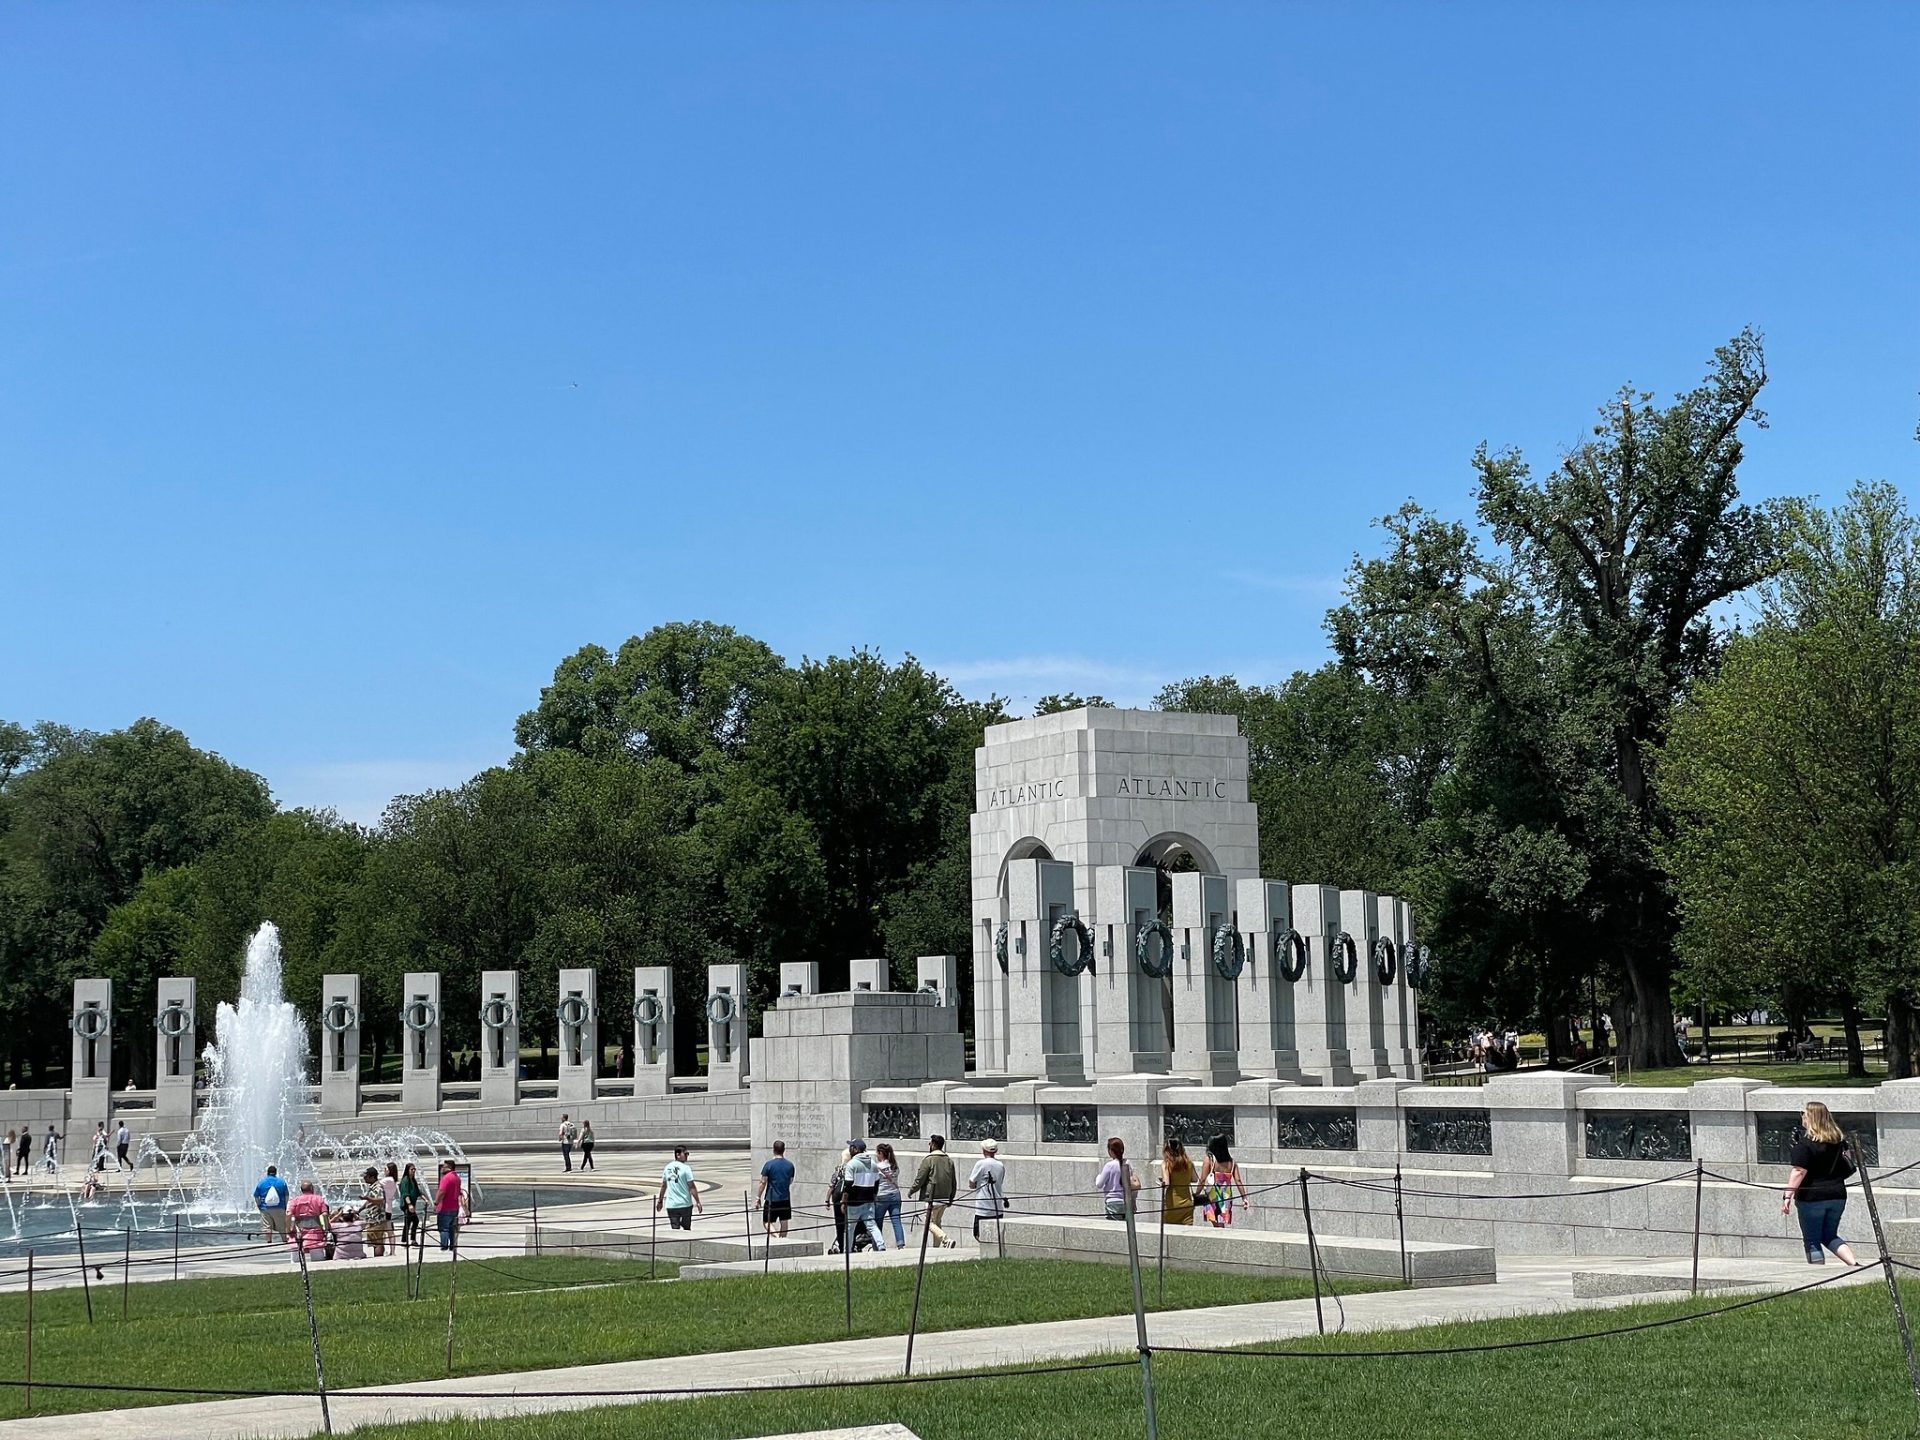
358 362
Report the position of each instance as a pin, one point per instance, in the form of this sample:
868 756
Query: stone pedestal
92 1072
727 1027
1366 998
1319 1000
578 1011
1719 1123
652 1029
176 1029
1044 1034
874 975
499 1037
420 1041
1536 1124
938 975
799 977
816 1055
1206 1021
339 1046
1131 1006
1267 1045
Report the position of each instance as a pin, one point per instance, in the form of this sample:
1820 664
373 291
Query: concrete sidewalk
1528 1286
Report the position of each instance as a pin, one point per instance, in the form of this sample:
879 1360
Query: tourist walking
411 1197
586 1144
312 1228
679 1192
1176 1184
270 1199
50 1153
23 1154
376 1220
987 1183
122 1139
1116 1181
1220 1184
1817 1183
568 1134
776 1191
863 1185
99 1158
935 1183
886 1201
446 1204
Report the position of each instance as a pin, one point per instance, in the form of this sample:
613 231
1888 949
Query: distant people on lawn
270 1199
312 1227
886 1201
987 1183
1817 1183
1220 1184
679 1191
122 1139
862 1186
1116 1181
569 1132
412 1198
587 1142
446 1204
1176 1184
776 1191
936 1183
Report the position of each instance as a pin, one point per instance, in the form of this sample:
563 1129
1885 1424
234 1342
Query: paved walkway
1528 1286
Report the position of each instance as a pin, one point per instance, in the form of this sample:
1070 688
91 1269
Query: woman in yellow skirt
1176 1184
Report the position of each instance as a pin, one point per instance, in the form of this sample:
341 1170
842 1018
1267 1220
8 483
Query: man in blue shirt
776 1190
679 1196
270 1198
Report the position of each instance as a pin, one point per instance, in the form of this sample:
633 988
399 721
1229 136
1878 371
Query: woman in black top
1818 1184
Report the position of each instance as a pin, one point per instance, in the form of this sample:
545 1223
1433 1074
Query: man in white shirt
987 1182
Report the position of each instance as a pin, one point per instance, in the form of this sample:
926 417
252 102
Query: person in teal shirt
679 1194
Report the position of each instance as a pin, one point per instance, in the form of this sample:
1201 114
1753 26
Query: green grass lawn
252 1332
1819 1074
1826 1364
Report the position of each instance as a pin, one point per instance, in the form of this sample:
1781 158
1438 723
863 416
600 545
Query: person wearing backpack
1818 1184
568 1134
936 1183
862 1188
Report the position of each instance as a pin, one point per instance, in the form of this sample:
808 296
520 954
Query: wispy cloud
359 790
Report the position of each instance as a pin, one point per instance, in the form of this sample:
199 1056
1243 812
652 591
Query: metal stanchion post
1139 1306
536 1222
176 1244
1400 1223
80 1238
313 1330
1313 1252
1886 1264
126 1270
1699 1181
653 1237
919 1277
1160 1262
453 1287
29 1330
846 1264
746 1219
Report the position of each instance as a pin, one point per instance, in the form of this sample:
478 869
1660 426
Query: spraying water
257 1064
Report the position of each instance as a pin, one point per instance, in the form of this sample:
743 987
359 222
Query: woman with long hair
886 1200
412 1201
1220 1183
1116 1182
1176 1184
1818 1184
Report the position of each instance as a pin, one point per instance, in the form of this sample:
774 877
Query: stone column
874 975
1393 1010
1130 1005
799 977
1319 1001
1366 997
176 1028
727 1027
1409 1059
652 1029
1043 1005
1267 1045
339 1046
991 931
1536 1124
499 1038
939 974
420 1042
92 1072
1206 1021
578 1012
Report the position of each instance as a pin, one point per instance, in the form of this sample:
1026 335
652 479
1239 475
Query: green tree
1560 651
1054 704
1794 780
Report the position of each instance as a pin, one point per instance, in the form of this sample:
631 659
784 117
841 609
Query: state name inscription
1131 787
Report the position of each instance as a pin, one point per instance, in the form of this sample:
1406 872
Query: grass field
1825 1364
518 1314
1814 1074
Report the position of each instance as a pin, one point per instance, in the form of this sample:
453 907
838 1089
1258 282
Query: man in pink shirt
308 1214
446 1203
